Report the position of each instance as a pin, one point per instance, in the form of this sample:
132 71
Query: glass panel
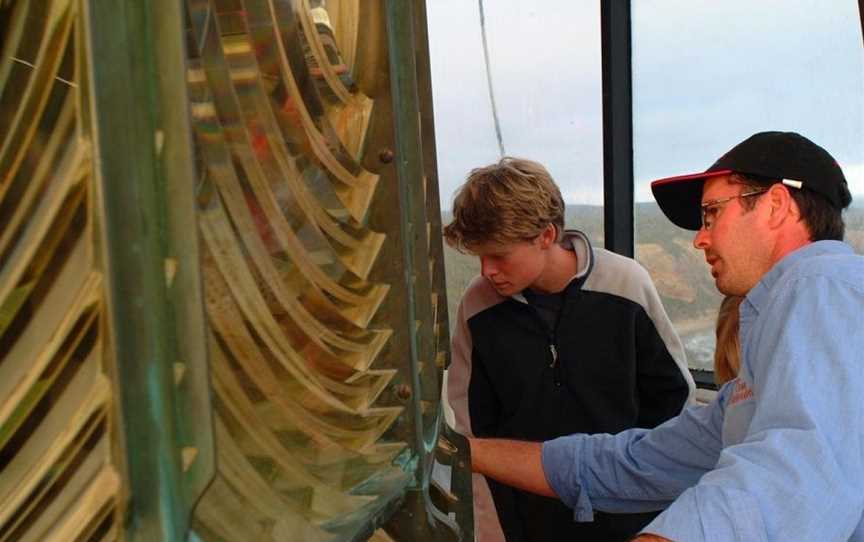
705 76
545 73
325 386
316 405
57 433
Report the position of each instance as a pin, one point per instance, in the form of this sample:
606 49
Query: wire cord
489 82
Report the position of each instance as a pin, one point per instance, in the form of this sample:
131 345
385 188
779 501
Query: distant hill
677 269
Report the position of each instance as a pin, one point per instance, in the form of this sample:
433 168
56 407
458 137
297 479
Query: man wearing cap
779 454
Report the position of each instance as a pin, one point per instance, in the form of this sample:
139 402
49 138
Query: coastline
698 324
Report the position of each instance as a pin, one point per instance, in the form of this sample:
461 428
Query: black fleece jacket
611 362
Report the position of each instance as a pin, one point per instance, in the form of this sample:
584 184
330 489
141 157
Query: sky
706 75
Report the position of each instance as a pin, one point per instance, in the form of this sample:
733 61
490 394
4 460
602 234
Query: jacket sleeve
464 378
459 372
474 403
662 385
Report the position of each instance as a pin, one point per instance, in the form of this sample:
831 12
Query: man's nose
701 239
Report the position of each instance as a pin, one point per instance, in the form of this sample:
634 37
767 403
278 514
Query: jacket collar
578 242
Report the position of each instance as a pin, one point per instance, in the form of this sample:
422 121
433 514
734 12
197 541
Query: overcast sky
706 75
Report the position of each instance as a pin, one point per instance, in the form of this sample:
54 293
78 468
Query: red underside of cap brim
680 197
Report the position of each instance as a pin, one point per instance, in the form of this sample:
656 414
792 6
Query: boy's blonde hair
511 201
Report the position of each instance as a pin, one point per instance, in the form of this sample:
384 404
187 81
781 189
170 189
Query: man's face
734 245
511 267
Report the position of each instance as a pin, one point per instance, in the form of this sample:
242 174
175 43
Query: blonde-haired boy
553 338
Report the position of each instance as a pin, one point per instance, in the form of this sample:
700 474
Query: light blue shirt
779 454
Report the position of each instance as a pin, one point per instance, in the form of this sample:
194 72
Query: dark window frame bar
861 16
618 186
615 43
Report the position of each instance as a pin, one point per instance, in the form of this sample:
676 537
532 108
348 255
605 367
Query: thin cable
489 82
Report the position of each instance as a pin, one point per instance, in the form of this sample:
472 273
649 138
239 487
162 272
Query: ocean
700 349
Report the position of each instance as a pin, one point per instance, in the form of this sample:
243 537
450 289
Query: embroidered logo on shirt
742 393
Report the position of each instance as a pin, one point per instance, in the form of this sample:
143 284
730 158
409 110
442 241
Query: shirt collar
759 294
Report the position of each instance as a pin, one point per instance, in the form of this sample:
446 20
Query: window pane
708 74
544 61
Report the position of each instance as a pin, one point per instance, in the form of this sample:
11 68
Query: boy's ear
549 236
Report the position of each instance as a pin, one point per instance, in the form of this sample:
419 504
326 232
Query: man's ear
782 205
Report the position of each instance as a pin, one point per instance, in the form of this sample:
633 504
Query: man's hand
512 462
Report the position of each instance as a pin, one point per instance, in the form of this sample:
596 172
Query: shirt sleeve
636 470
798 472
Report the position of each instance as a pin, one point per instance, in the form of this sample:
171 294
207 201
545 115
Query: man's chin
721 286
729 289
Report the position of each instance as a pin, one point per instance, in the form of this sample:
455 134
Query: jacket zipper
553 350
555 366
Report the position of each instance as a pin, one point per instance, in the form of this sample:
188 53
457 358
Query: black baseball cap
788 157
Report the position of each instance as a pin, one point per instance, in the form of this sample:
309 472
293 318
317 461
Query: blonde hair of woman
727 355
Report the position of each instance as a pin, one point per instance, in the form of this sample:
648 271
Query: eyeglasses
711 209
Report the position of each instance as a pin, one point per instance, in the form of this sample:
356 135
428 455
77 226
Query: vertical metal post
617 125
861 16
409 167
408 112
145 176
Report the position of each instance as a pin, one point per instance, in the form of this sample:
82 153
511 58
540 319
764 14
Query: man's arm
796 473
637 470
634 471
515 463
